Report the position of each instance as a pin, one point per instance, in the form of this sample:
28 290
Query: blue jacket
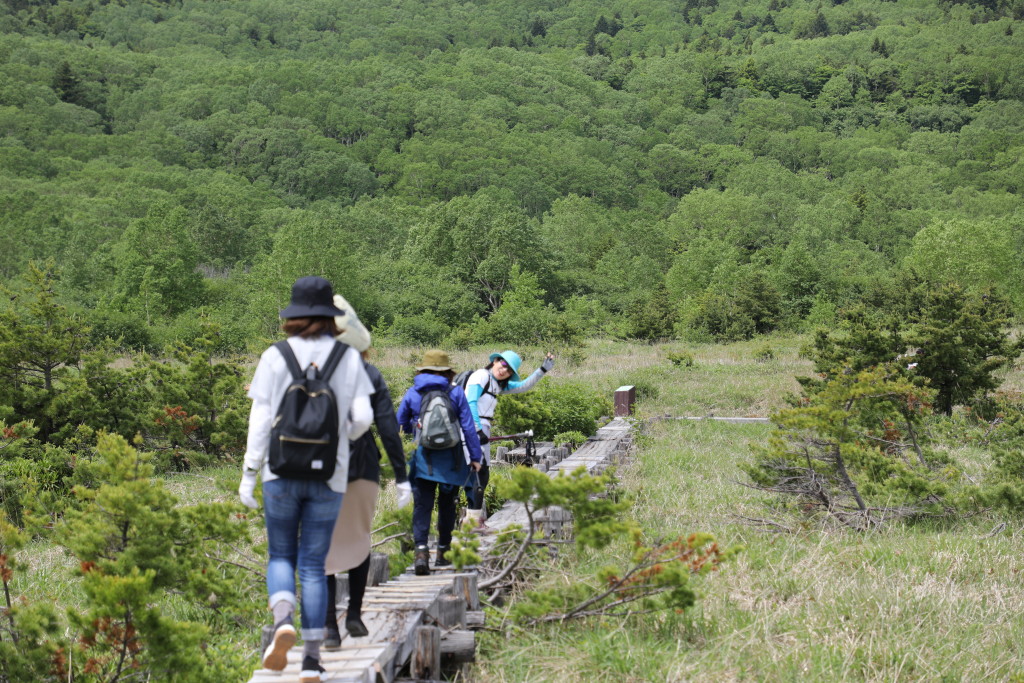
447 466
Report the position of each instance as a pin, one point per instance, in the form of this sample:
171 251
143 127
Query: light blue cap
513 360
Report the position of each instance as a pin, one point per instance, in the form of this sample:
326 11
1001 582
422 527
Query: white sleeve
258 442
262 386
360 417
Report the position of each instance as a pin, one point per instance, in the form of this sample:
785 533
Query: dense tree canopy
671 164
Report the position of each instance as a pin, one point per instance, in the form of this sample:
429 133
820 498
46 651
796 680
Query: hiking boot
275 657
440 560
421 563
311 672
355 626
482 529
332 639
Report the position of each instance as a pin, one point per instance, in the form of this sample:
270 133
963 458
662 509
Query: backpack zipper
296 439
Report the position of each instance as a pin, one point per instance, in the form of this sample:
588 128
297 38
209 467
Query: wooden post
459 646
555 521
625 397
380 571
451 611
426 654
465 587
341 588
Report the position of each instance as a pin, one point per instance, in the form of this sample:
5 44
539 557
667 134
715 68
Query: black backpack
462 379
439 423
305 432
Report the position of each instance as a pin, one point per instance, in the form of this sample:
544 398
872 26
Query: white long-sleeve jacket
352 389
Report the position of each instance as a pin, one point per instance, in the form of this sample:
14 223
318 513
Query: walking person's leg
357 578
282 511
332 639
422 509
319 513
447 496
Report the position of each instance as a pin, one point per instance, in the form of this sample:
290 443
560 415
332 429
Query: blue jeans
300 518
423 491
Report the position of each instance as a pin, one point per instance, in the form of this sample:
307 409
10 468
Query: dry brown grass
916 603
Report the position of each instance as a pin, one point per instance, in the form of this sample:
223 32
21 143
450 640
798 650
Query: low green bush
552 409
681 359
574 439
764 353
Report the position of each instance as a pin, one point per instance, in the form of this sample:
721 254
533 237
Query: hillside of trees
497 170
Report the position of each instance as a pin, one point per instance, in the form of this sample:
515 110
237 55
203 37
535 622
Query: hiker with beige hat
447 450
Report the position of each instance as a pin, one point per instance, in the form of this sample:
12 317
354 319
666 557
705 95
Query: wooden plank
426 657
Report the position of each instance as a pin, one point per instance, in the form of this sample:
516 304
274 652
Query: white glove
404 493
247 490
548 363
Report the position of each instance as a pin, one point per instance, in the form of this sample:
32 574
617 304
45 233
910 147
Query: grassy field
924 603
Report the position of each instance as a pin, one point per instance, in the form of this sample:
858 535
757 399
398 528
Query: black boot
357 578
332 639
421 563
440 560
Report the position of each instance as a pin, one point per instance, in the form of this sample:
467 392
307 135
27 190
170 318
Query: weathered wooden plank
379 569
458 646
426 657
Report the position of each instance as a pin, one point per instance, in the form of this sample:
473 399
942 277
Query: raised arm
529 382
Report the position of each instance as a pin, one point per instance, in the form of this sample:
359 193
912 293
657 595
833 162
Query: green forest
507 171
806 209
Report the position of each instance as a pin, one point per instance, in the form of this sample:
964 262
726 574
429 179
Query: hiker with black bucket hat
310 396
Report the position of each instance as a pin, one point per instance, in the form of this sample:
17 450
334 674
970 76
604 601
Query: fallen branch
766 522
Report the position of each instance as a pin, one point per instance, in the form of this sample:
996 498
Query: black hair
449 374
503 383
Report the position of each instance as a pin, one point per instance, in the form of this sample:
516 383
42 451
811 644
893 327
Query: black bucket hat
312 297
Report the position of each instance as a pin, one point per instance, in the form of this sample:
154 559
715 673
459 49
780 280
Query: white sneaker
276 656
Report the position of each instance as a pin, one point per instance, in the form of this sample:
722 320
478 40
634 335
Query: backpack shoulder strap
452 410
485 387
289 358
491 382
332 360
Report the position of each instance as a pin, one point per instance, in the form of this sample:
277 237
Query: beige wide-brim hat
435 359
353 332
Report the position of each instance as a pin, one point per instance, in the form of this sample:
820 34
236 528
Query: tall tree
39 341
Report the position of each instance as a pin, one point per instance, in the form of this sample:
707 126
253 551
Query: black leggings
357 578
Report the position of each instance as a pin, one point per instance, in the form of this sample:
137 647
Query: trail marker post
625 397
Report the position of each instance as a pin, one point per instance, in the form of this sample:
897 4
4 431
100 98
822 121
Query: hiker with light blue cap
499 376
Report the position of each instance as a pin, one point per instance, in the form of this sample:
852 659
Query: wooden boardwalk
413 619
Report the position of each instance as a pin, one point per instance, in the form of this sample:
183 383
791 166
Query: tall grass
911 603
926 602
